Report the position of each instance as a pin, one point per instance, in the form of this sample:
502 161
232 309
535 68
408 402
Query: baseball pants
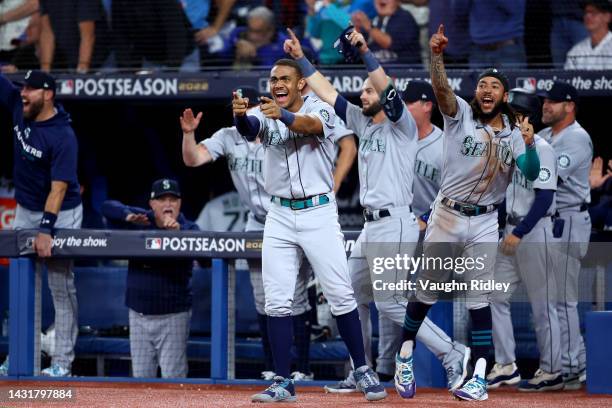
452 234
533 265
61 283
300 303
571 248
315 233
159 340
398 233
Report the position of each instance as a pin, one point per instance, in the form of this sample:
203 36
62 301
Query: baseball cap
248 92
418 90
39 80
495 73
165 186
603 5
561 92
524 101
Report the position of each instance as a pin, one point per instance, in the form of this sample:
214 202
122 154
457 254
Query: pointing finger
441 29
292 34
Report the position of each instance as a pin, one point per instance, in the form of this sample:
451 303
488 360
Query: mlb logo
153 243
527 83
65 86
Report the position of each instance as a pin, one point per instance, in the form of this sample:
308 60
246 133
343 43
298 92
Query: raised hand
292 45
170 223
269 108
438 41
239 104
527 130
190 123
596 176
358 41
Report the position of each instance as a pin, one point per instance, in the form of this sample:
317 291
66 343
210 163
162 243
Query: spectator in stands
206 35
74 35
567 29
496 29
259 43
25 55
327 19
456 26
13 23
393 35
594 52
158 290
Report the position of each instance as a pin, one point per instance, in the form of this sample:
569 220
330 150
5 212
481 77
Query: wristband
371 62
306 67
531 145
47 223
287 117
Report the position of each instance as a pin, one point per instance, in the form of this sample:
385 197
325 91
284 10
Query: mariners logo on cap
564 161
166 184
544 175
27 75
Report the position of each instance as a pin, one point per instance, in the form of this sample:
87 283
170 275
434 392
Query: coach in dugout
158 290
47 194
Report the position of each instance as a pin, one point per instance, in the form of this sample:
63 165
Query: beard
482 116
372 110
34 109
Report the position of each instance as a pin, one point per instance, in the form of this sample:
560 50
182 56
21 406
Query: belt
301 203
470 210
581 207
497 45
260 219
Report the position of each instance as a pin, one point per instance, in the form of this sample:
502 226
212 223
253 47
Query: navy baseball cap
603 5
561 92
344 46
39 80
418 90
248 92
495 73
524 101
165 186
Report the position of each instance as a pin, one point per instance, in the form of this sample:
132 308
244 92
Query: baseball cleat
268 375
281 390
300 376
55 370
404 376
572 381
368 383
503 374
473 390
456 365
542 381
345 386
4 367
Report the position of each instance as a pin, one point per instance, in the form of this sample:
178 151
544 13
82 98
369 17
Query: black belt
469 210
261 220
583 207
375 215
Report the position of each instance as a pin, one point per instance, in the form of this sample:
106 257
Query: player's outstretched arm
194 154
9 94
319 84
297 122
439 81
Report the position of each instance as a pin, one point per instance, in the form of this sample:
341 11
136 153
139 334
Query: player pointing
297 136
482 146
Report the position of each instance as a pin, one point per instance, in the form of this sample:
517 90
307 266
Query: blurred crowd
188 35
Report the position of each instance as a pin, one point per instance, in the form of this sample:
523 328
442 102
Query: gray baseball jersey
340 129
427 171
574 150
477 162
520 194
245 163
298 165
386 156
223 213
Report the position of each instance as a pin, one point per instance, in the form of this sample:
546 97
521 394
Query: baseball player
526 257
297 137
420 100
482 146
574 151
223 213
387 145
47 194
158 291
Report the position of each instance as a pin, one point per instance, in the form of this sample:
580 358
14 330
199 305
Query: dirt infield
127 395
